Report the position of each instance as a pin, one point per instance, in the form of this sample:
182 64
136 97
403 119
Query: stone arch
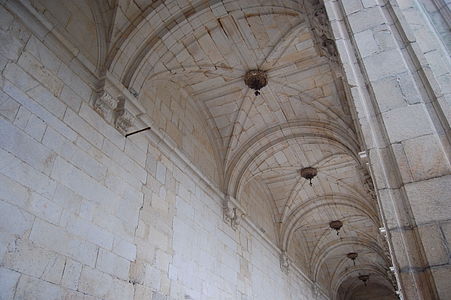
279 134
310 205
127 75
346 274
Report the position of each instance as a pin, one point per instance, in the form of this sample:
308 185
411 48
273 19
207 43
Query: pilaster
396 101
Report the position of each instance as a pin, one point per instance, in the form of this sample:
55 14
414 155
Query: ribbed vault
187 69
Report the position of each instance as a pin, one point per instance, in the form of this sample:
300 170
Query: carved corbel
319 23
284 262
124 122
228 212
237 217
316 290
105 105
233 214
366 176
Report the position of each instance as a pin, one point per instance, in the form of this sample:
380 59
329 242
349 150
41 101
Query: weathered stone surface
8 283
430 199
30 288
434 244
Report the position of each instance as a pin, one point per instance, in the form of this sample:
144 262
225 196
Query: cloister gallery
225 149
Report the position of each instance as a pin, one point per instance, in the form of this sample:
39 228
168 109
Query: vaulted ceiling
302 118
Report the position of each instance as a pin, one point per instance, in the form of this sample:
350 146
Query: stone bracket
113 111
232 212
117 105
284 262
319 23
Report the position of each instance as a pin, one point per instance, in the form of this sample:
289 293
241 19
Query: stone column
401 110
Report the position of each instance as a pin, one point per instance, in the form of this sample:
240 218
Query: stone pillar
401 107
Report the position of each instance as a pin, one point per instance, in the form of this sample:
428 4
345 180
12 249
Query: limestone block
89 188
429 199
38 110
44 208
26 175
6 19
69 151
19 77
96 283
83 128
407 122
55 238
35 127
128 211
125 249
138 272
64 197
101 126
13 192
142 292
162 260
124 161
402 163
74 295
152 277
134 152
161 173
43 54
366 43
88 231
385 38
10 46
74 82
71 98
184 209
395 91
434 244
426 157
40 73
42 96
14 220
383 64
366 19
22 117
8 283
369 3
446 229
30 288
8 107
71 275
441 277
352 6
121 290
112 264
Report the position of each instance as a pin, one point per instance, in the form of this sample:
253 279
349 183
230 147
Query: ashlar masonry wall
88 214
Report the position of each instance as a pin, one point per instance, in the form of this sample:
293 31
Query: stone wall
88 214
